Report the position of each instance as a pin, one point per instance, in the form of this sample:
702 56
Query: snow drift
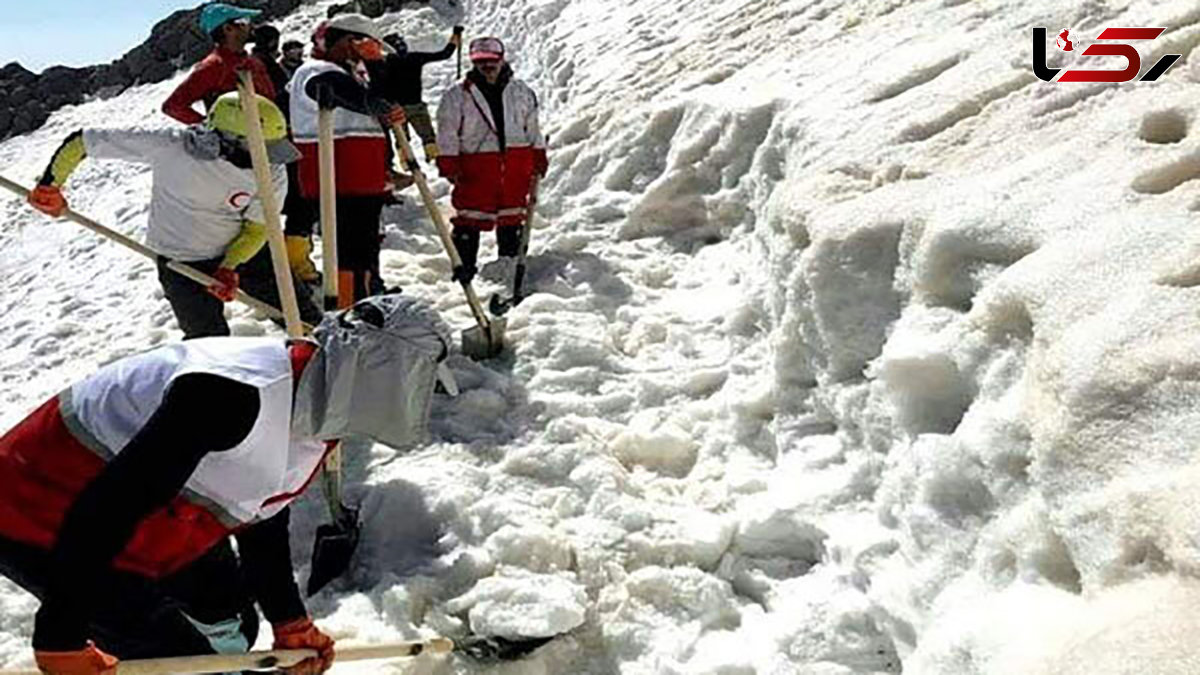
855 348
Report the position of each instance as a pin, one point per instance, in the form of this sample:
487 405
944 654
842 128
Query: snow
853 348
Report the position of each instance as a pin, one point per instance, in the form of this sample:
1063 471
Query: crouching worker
204 205
119 496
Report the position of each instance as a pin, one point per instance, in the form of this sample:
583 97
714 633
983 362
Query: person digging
204 208
119 496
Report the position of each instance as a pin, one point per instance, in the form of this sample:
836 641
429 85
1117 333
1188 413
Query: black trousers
300 212
201 315
358 241
466 242
134 617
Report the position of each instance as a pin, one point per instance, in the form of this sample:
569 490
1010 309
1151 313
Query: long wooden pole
137 247
329 252
281 658
270 204
439 221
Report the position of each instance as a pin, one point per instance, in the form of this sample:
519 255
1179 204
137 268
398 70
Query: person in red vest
118 497
333 81
216 74
491 146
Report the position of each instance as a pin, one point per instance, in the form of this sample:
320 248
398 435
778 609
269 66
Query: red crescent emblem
239 200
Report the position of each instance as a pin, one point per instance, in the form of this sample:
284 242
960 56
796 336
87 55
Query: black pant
466 242
358 240
257 277
300 212
134 617
202 315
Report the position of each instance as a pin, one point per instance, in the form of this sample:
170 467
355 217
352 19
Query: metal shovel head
333 549
479 343
497 648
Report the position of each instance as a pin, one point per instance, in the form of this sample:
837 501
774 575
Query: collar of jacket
477 78
229 54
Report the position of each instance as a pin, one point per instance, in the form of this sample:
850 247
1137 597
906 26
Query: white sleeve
449 121
532 126
254 210
133 145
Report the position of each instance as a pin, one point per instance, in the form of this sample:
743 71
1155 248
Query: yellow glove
298 251
432 152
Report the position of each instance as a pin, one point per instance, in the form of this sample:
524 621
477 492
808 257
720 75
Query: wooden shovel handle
270 204
137 247
439 221
281 658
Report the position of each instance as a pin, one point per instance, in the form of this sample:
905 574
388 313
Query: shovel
477 648
337 540
174 265
499 305
270 204
486 339
334 549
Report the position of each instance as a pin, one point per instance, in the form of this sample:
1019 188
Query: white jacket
465 125
197 206
304 109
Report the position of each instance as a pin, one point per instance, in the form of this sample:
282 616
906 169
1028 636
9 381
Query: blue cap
218 14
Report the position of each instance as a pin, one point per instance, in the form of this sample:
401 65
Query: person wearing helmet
332 81
118 499
491 147
216 74
204 208
398 79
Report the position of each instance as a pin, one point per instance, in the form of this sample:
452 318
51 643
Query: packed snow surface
853 348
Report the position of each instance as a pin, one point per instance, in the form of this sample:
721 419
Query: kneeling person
204 205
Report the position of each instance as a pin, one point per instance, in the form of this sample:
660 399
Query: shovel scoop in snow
485 340
333 549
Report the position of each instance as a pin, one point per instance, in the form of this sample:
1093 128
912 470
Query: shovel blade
333 550
493 649
478 343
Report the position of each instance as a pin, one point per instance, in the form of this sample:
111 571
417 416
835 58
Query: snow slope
855 349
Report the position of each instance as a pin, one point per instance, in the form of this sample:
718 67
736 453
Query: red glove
396 115
448 167
87 661
540 163
227 284
48 199
302 634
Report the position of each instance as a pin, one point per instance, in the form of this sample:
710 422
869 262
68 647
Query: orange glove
302 634
226 287
396 115
87 661
48 199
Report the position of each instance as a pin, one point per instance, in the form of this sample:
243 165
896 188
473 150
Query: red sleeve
179 104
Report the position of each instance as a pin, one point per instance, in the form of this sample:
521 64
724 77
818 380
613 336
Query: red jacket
213 76
491 162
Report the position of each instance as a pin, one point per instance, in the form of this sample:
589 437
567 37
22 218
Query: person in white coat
491 146
204 205
119 496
